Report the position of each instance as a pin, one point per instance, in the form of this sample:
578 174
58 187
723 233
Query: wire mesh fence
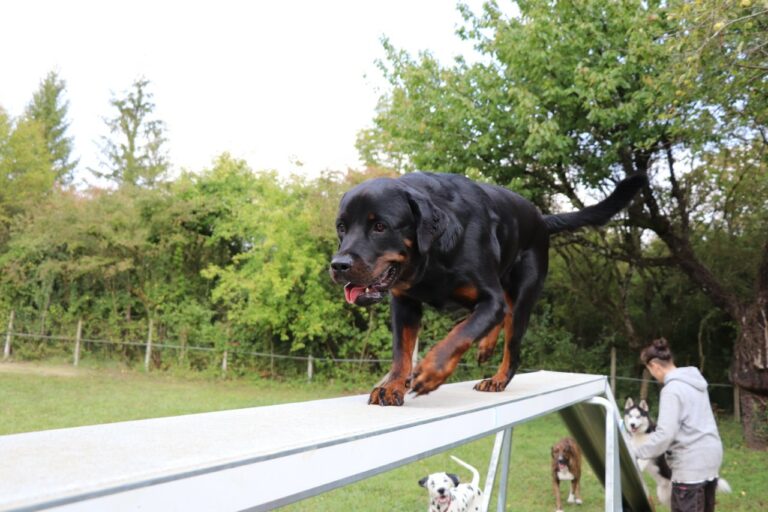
231 358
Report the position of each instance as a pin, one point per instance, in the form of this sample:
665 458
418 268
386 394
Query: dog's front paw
493 385
427 377
573 499
390 393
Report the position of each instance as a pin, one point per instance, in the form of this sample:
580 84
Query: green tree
25 168
49 109
277 288
571 96
113 258
134 152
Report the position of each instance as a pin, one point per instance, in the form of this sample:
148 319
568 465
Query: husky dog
639 425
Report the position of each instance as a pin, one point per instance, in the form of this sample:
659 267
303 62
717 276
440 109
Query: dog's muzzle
367 292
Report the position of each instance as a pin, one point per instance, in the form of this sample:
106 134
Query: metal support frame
506 450
502 448
613 501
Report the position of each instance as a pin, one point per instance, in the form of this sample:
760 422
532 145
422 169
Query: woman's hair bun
658 349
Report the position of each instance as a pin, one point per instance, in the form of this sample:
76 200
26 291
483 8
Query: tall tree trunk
749 368
749 371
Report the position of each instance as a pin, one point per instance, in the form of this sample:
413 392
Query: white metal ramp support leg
502 447
506 452
612 477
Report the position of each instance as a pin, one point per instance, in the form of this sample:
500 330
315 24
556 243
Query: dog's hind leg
488 344
664 491
499 381
442 359
526 281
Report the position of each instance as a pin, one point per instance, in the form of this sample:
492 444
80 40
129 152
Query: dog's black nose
441 491
341 263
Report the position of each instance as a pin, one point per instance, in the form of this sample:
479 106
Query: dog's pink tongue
351 292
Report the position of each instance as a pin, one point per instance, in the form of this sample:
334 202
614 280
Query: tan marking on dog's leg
500 380
487 344
441 361
391 389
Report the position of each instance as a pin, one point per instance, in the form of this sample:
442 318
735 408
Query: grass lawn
36 397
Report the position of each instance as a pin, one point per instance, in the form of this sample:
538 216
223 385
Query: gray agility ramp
587 424
265 457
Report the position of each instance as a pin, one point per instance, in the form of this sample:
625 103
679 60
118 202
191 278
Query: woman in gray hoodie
685 430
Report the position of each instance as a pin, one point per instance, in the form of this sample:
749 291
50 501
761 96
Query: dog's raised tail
475 473
723 485
600 213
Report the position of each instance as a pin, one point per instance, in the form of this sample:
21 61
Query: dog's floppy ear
454 478
629 403
433 226
643 405
423 481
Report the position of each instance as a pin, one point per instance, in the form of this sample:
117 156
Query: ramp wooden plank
262 457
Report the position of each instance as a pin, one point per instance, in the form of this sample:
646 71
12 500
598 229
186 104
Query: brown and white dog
566 465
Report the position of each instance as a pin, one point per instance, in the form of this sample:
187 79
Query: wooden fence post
310 368
225 356
8 337
272 358
613 370
736 403
184 338
78 337
148 354
644 384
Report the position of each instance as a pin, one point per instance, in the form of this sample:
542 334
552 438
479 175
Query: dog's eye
341 228
379 227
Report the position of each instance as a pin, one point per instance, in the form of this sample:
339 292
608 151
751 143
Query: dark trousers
694 497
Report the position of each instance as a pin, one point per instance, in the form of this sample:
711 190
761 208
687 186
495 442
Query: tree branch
677 192
683 253
566 187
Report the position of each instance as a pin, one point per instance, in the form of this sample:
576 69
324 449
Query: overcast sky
274 82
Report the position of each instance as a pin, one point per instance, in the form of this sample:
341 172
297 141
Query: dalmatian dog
446 494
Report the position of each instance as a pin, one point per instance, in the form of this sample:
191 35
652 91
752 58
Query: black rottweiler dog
447 241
